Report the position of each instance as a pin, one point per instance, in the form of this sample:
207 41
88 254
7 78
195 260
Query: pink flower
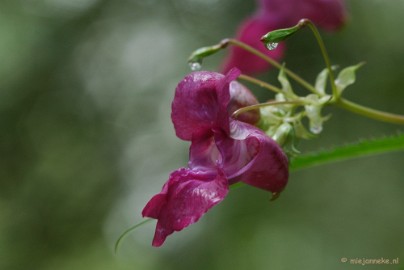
275 14
223 151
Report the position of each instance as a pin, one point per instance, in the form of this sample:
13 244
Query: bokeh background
86 140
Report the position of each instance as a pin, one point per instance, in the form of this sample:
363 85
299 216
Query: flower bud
313 112
282 133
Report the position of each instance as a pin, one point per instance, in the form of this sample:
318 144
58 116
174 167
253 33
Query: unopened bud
282 133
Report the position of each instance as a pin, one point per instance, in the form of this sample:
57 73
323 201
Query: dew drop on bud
272 45
195 66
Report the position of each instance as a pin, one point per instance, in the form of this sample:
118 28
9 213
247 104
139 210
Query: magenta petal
250 32
224 94
203 154
282 13
195 105
186 196
327 14
241 97
249 155
200 103
277 14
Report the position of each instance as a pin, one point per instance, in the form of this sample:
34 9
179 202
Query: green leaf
346 77
362 148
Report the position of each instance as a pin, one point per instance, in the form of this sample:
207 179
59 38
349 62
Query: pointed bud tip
275 195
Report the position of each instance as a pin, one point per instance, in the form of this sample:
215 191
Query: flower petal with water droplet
201 103
185 198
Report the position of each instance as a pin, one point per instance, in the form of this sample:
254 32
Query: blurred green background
86 140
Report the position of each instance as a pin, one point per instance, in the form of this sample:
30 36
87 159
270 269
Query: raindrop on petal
195 66
271 45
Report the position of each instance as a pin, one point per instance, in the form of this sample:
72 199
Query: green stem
265 104
324 52
271 61
342 103
260 83
128 231
370 113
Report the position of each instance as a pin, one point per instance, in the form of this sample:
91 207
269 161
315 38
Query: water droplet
275 195
316 129
272 46
195 66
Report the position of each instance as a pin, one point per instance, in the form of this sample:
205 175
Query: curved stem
370 113
260 83
324 52
271 61
265 104
125 233
341 102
